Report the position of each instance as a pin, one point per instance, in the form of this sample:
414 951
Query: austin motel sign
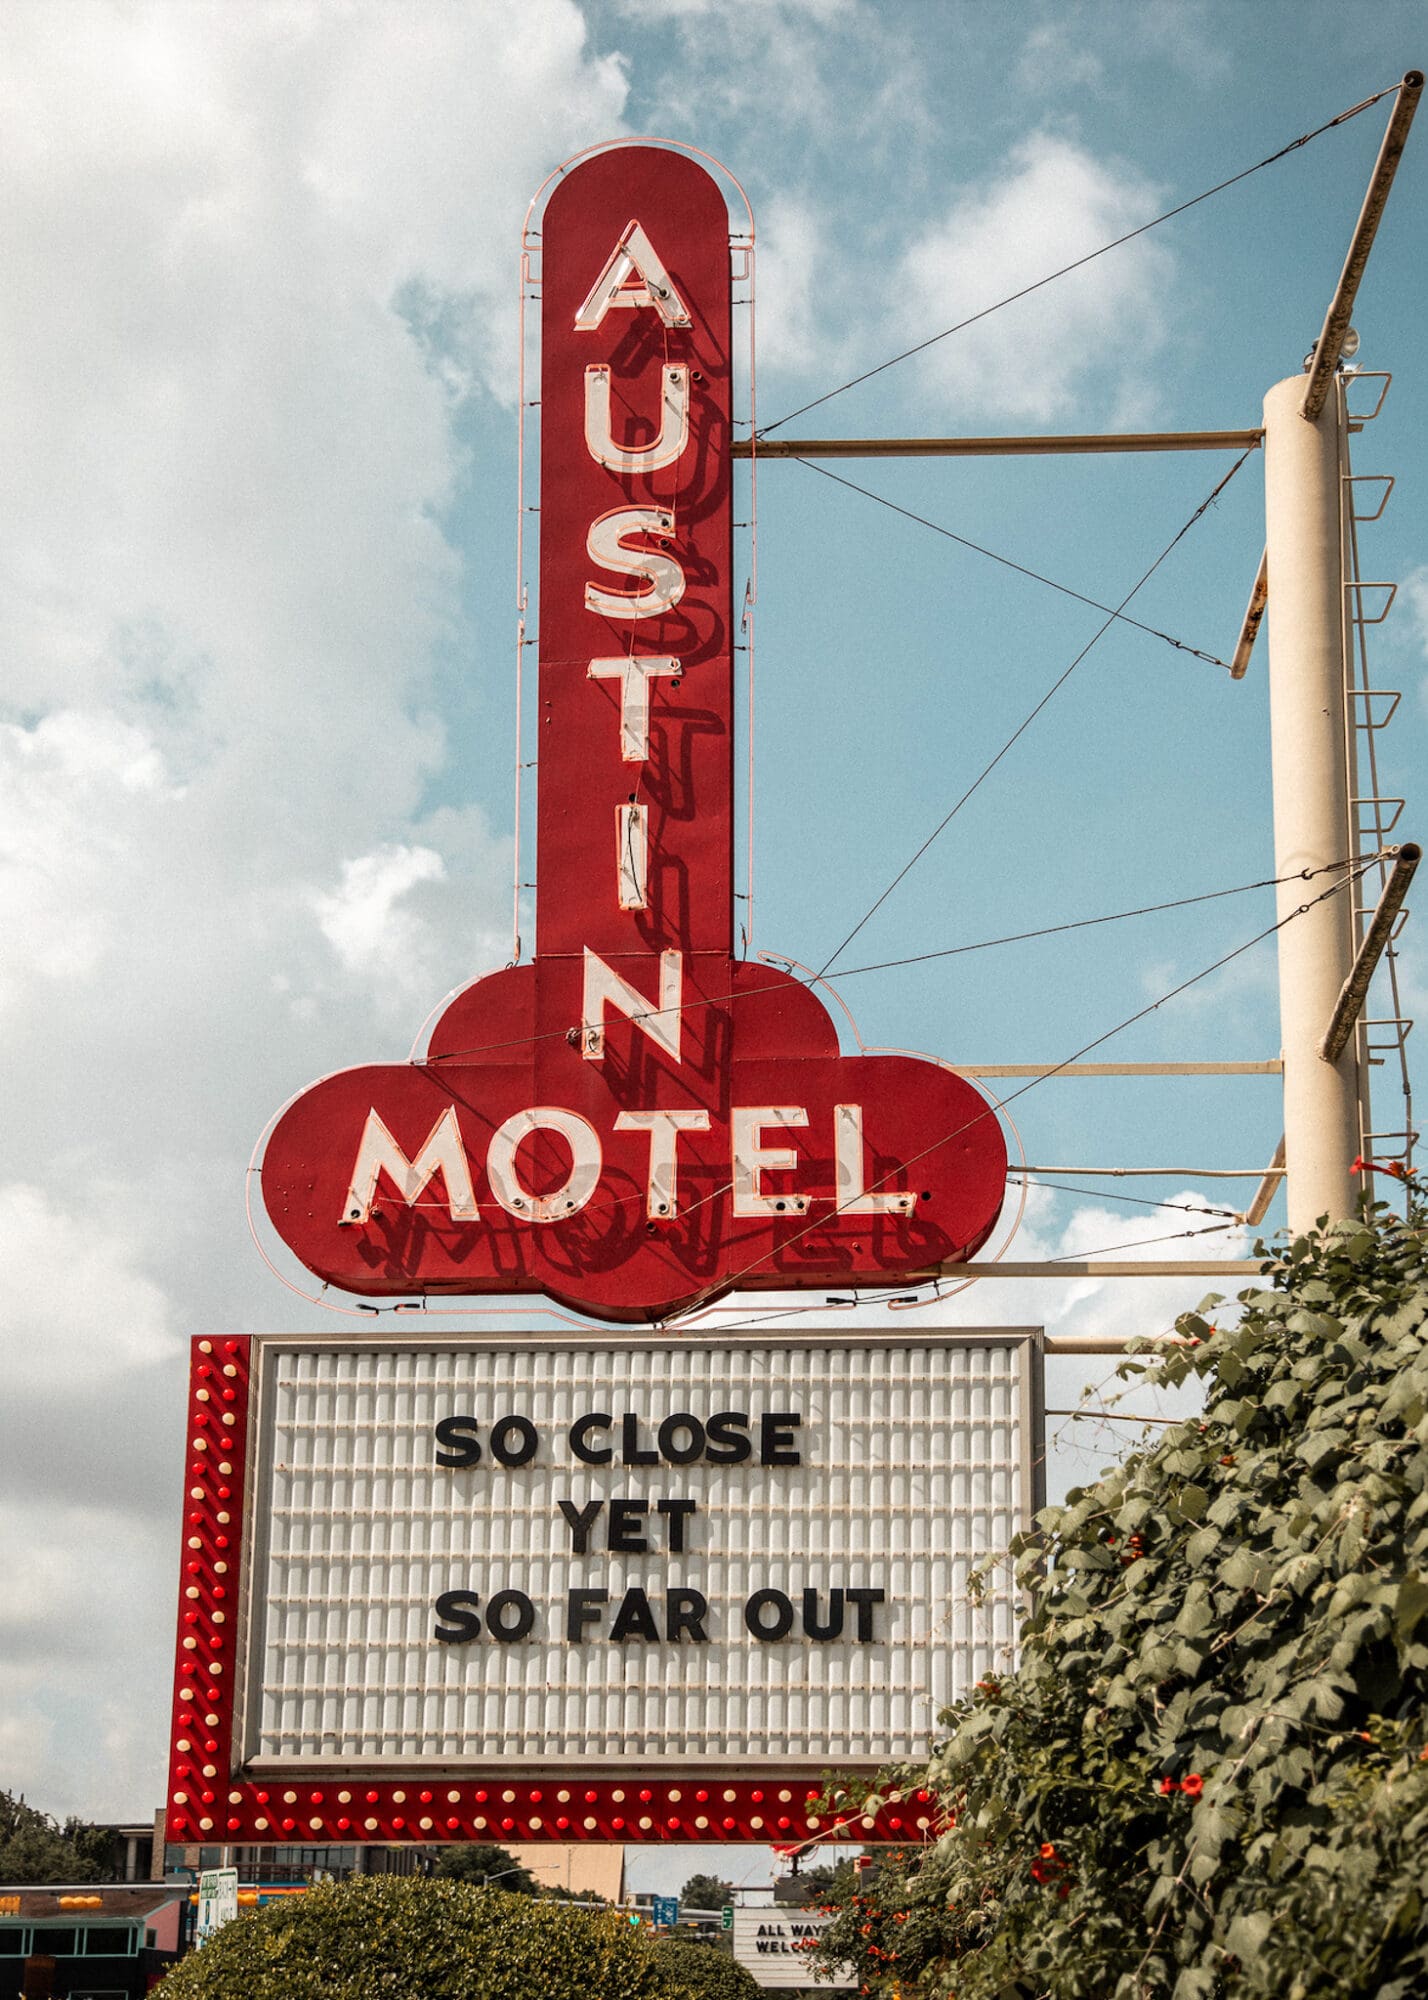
620 1585
637 1121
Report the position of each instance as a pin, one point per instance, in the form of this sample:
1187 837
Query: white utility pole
1312 820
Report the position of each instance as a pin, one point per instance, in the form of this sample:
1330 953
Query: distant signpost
666 1909
726 1917
217 1900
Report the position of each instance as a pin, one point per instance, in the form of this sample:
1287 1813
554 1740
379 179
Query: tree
1209 1774
705 1892
35 1848
484 1863
412 1938
827 1881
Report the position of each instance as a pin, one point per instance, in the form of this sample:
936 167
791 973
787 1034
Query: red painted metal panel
687 779
415 1178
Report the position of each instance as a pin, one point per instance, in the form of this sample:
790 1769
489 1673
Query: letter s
459 1607
661 574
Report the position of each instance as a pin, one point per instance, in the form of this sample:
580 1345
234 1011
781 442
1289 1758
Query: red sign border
210 1802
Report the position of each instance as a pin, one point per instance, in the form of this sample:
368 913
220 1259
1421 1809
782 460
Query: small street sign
726 1917
666 1909
217 1900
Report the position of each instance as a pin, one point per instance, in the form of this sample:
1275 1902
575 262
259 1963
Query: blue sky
257 622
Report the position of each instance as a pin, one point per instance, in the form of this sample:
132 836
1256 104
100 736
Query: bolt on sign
637 1121
605 1586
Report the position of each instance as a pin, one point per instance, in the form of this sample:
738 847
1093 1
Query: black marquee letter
772 1600
776 1445
582 1520
589 1454
684 1615
865 1599
521 1453
460 1434
496 1610
459 1607
669 1430
581 1607
679 1512
723 1430
634 1619
834 1628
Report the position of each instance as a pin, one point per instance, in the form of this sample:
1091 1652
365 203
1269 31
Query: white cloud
72 790
1415 600
1094 331
361 920
1054 56
255 259
798 329
85 1638
76 1301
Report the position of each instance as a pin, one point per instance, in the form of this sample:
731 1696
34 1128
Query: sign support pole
1312 819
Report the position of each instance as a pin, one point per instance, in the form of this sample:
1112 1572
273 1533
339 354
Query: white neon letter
634 275
664 1128
632 856
850 1156
634 677
379 1151
662 1020
752 1159
673 422
660 573
580 1182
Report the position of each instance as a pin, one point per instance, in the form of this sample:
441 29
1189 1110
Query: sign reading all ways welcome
774 1946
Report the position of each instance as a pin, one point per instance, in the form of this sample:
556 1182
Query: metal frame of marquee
217 1795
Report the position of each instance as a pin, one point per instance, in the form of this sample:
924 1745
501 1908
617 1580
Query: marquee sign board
637 1121
611 1587
773 1946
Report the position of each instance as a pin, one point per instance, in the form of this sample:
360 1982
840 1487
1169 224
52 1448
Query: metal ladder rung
1402 1024
1387 480
1393 696
1375 803
1351 376
1358 587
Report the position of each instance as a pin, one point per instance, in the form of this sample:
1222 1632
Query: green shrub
705 1971
402 1938
1208 1777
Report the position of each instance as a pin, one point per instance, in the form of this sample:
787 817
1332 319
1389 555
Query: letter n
662 1019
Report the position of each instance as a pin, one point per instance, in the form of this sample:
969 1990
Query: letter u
673 422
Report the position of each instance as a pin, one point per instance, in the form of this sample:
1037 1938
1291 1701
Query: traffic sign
726 1917
666 1909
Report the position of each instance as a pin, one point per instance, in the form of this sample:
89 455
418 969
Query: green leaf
1247 1935
1410 1604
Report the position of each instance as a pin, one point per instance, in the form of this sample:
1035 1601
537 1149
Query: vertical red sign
636 1122
635 767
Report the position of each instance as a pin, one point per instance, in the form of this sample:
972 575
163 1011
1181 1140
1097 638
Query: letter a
633 276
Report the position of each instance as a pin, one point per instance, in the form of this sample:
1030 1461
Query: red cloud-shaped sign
636 1122
517 1158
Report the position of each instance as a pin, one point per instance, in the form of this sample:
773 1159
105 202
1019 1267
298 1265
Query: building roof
74 1902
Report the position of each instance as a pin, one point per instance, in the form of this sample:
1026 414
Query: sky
257 624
